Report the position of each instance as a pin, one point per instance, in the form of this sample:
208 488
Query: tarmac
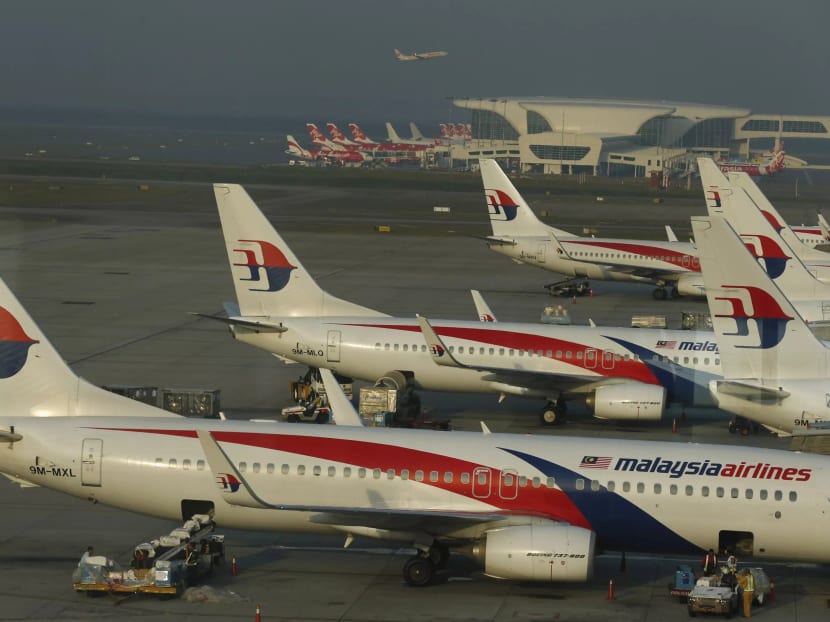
111 286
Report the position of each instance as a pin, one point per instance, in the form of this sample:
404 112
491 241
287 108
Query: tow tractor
569 288
164 566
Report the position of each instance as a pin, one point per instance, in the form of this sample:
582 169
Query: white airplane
393 137
520 235
809 296
526 508
622 373
776 371
418 55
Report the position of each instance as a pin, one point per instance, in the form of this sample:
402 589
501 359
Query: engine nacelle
691 284
629 401
538 553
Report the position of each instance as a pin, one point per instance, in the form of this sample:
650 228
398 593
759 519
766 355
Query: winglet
484 428
235 489
670 234
482 308
342 410
439 352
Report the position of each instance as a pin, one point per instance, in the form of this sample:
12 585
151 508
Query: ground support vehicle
684 581
710 596
310 413
165 566
569 288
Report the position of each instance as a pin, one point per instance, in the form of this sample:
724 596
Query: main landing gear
419 570
554 412
661 293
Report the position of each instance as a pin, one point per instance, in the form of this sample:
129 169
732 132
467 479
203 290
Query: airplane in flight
774 165
339 155
418 55
526 508
775 370
520 235
621 373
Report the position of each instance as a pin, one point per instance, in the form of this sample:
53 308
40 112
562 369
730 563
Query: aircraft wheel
418 571
293 419
549 416
660 293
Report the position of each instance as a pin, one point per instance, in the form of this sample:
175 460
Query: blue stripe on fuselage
619 524
679 381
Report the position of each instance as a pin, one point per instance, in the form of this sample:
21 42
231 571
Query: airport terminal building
561 135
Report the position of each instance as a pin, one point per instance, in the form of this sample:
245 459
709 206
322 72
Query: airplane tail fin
445 132
35 380
510 215
760 334
269 279
295 149
398 53
357 133
336 134
392 134
825 227
415 132
317 137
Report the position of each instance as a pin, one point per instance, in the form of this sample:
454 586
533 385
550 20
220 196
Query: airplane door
590 358
509 484
541 251
607 359
91 452
333 346
482 482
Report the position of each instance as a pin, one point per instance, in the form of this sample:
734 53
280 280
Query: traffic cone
611 589
674 426
258 615
771 595
591 293
573 302
233 566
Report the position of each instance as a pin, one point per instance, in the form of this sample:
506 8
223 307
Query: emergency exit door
91 452
333 346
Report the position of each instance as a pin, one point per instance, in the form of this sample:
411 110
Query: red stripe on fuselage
631 369
681 260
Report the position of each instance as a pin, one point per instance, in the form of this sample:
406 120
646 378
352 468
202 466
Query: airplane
418 55
339 155
520 235
455 133
771 167
776 372
621 373
801 239
387 152
319 139
741 202
395 139
526 508
337 136
359 135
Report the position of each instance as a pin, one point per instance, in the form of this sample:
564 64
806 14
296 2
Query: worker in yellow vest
747 583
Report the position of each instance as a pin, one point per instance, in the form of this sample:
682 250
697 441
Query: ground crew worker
710 562
731 563
747 582
87 554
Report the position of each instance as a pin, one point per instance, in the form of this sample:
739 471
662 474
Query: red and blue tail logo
227 482
713 199
437 350
772 220
273 271
500 205
14 345
775 259
770 320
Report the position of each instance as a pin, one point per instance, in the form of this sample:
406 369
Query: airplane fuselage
635 496
541 355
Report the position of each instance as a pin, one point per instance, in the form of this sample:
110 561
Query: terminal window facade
536 123
487 125
652 131
805 127
554 152
709 133
761 125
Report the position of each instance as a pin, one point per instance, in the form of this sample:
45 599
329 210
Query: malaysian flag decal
667 345
595 462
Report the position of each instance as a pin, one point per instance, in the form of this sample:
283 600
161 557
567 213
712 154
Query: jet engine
691 284
537 553
628 401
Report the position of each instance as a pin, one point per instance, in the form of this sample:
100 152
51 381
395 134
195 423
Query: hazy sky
333 59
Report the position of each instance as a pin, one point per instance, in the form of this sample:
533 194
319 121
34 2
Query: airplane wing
539 380
237 491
